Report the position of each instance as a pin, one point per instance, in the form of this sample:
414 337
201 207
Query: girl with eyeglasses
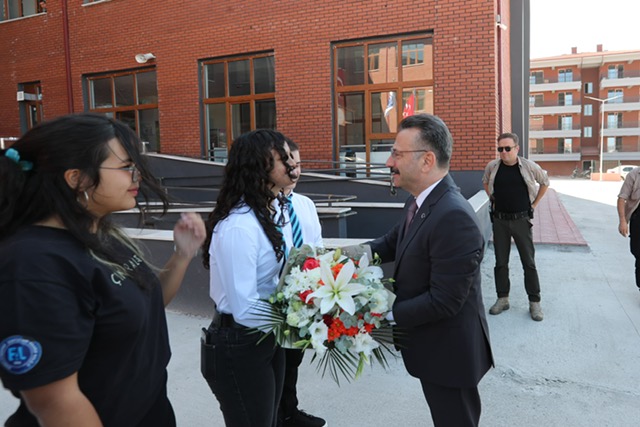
83 333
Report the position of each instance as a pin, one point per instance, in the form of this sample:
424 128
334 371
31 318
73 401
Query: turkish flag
409 107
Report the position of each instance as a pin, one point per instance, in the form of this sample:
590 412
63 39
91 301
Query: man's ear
73 177
429 159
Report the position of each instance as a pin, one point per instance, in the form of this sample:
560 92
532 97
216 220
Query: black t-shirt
62 311
510 192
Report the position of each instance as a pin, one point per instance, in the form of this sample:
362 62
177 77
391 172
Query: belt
224 320
511 216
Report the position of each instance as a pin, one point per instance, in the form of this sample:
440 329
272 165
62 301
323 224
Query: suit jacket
439 307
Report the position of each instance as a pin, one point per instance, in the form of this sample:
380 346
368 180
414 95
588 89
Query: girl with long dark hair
244 251
83 333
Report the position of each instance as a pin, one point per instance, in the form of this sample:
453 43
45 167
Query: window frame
536 77
38 7
373 140
114 110
230 101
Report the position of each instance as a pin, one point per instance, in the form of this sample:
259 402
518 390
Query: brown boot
501 305
536 311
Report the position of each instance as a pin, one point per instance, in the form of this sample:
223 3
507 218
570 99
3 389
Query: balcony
554 157
540 132
626 103
631 128
629 151
621 79
553 107
554 84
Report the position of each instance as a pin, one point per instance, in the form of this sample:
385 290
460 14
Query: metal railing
624 74
339 171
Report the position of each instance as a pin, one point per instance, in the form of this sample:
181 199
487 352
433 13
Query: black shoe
302 419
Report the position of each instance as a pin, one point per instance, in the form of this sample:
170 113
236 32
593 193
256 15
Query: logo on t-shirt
118 277
19 354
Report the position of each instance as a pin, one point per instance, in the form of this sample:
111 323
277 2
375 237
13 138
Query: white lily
337 291
368 272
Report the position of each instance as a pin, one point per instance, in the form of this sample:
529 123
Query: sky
559 25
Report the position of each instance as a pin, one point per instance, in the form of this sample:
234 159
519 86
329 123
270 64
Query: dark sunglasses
507 149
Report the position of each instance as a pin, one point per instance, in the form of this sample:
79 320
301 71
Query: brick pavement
552 224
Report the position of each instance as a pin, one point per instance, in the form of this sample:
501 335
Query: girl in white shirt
244 252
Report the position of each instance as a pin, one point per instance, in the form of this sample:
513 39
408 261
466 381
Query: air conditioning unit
24 96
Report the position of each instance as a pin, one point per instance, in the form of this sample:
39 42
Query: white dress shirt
243 266
309 222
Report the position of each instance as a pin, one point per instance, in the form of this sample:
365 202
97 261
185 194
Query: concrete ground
578 367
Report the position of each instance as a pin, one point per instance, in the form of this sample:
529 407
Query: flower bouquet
334 304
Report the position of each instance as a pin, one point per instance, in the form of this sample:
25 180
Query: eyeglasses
135 173
398 153
507 148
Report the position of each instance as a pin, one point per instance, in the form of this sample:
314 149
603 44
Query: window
373 95
239 96
565 98
131 97
565 76
536 100
565 145
588 132
615 72
614 120
616 96
30 99
536 146
588 87
588 109
12 9
614 144
412 53
536 77
565 122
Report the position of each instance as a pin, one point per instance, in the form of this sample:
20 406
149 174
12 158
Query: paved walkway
578 367
552 224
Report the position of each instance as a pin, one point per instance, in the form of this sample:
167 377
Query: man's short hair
434 135
513 136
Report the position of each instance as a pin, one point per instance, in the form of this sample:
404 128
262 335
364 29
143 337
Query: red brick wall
106 36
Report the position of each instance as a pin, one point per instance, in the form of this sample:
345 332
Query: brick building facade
77 55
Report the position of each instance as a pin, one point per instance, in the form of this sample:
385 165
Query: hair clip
13 154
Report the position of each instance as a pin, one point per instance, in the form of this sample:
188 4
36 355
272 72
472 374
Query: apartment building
584 111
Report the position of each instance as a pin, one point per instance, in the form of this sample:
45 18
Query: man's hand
623 228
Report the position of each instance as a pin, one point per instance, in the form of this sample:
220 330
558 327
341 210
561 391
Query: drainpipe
499 42
67 55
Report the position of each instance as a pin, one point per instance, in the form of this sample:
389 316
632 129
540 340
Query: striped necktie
296 230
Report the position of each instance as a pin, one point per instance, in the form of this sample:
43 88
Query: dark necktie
411 212
296 230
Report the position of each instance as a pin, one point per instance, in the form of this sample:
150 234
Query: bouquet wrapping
333 302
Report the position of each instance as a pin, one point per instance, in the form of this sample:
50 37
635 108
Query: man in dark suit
438 308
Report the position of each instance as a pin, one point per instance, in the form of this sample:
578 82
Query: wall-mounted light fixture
499 22
142 58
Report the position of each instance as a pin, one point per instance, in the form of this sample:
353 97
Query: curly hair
247 183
